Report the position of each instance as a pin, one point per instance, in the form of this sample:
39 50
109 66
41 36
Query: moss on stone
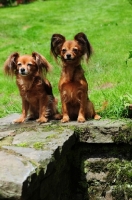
119 172
113 160
38 145
6 141
118 193
24 144
83 133
95 166
124 135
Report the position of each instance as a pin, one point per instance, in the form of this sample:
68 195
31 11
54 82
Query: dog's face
26 65
70 50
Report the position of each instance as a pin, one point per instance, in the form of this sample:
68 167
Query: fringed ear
10 66
42 63
57 41
86 46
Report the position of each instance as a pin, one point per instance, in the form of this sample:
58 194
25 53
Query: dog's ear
42 63
57 41
86 46
10 65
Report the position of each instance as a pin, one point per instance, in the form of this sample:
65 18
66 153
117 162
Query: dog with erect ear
38 101
73 85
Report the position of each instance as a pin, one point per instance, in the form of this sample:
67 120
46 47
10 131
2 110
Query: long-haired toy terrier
30 71
73 86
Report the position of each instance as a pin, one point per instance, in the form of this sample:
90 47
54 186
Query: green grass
108 26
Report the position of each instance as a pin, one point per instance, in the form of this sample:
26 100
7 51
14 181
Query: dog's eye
19 64
63 50
29 64
75 50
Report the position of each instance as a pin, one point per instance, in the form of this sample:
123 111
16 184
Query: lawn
108 26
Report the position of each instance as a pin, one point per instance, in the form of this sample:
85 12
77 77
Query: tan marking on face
69 50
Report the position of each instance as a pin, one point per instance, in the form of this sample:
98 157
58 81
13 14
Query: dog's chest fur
30 89
71 84
72 74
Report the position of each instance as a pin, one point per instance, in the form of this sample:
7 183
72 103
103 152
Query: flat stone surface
96 176
9 119
6 133
49 140
31 153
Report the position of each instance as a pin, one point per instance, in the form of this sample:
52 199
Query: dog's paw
65 119
81 119
42 120
57 116
97 117
20 120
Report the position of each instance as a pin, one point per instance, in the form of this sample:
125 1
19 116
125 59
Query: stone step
30 152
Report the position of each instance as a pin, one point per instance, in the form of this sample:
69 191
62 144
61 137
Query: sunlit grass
108 25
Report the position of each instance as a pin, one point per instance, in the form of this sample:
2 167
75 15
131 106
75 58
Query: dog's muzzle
23 71
68 57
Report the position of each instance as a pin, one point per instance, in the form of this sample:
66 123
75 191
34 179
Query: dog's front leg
25 107
43 109
81 114
64 113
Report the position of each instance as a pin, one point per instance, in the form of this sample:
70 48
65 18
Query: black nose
22 70
68 56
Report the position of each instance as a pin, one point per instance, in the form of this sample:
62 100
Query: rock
4 134
44 161
14 170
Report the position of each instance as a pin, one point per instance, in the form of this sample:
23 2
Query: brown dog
73 86
35 90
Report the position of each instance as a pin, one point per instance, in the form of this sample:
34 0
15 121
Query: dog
73 86
38 101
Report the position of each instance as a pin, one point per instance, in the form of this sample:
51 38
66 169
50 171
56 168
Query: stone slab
33 145
13 172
